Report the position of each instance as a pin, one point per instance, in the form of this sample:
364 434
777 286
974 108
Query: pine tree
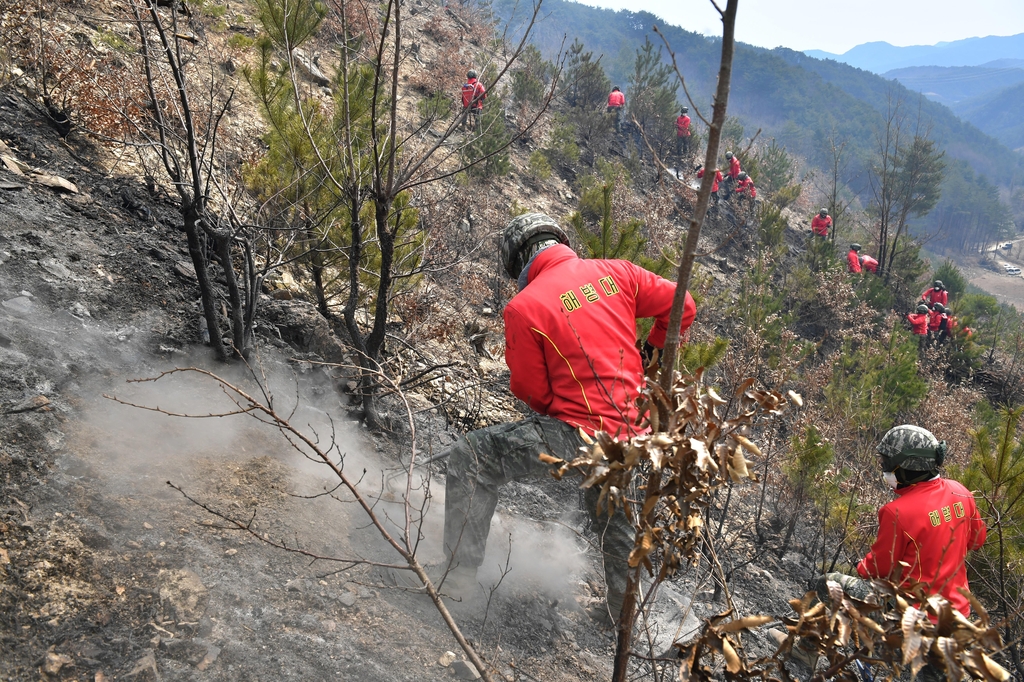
586 84
652 97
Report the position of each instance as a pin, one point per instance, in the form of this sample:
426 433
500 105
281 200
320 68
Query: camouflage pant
858 588
484 459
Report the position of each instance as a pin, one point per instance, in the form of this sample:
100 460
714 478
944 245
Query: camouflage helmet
855 247
938 307
728 155
922 308
742 175
686 110
471 74
938 284
912 448
823 212
523 232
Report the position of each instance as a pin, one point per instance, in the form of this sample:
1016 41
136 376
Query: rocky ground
107 572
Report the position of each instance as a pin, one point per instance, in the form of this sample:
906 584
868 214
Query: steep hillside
789 95
880 57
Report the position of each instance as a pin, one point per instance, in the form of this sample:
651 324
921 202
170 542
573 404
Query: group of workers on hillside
736 181
932 322
574 360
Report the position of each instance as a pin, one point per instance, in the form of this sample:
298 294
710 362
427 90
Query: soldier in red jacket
731 177
923 535
869 264
919 325
473 96
853 258
570 344
683 134
936 294
616 103
821 223
745 186
714 184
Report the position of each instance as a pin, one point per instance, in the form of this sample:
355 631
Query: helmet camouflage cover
524 231
912 448
922 308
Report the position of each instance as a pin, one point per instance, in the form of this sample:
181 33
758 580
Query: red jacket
734 167
935 319
473 93
930 526
820 226
933 295
744 185
918 323
853 261
616 99
718 178
570 337
683 126
869 263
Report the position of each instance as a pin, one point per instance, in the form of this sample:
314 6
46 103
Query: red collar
549 257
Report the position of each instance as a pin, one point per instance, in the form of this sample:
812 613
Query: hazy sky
838 25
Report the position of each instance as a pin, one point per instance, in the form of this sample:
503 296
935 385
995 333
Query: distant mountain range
880 57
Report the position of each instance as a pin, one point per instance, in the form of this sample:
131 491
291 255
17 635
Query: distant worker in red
616 103
938 323
733 174
919 325
821 224
936 294
853 258
683 134
869 264
745 186
714 185
473 96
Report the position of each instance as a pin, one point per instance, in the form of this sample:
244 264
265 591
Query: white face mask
890 479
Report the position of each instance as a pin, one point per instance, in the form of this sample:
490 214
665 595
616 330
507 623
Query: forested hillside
799 100
998 114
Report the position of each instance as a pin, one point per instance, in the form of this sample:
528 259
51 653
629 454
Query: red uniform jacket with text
933 295
930 526
616 99
820 226
683 126
570 337
473 94
853 261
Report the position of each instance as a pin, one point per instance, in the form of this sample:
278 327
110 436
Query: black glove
648 354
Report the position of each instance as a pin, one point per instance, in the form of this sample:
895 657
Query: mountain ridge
880 56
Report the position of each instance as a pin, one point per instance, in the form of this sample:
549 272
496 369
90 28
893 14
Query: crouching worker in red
570 339
869 264
923 535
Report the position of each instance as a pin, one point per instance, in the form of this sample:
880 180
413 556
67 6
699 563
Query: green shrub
787 195
539 166
952 278
436 107
240 41
562 147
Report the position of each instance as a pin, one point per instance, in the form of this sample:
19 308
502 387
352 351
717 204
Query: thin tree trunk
627 616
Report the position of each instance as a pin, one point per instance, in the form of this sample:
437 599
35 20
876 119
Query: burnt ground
106 572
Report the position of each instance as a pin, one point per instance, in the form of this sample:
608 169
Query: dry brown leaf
796 398
640 552
746 444
548 459
715 398
745 623
732 660
738 466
